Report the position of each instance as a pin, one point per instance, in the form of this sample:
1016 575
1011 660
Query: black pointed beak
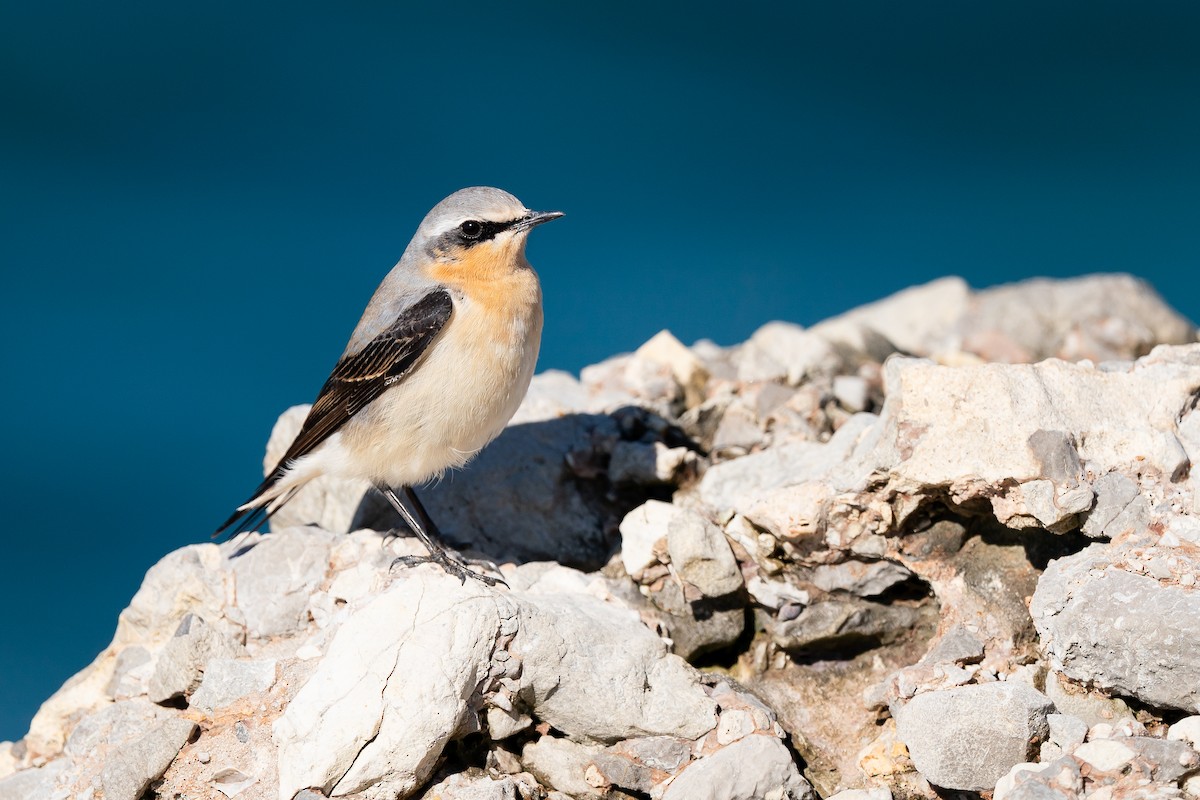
535 218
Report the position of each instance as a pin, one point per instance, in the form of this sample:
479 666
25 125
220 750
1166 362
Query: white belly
461 395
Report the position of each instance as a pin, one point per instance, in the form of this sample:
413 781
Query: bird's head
478 230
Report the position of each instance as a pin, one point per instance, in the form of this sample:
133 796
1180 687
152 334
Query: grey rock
752 768
957 646
969 737
739 431
833 624
1054 780
502 724
938 425
1120 508
1066 731
34 783
1053 509
1090 706
1056 452
131 767
688 369
115 724
129 678
664 753
864 579
277 575
573 647
1160 759
226 680
701 556
639 765
181 663
386 697
1120 631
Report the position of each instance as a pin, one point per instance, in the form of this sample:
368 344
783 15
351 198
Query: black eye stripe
488 229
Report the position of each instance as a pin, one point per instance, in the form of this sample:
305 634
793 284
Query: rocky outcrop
946 542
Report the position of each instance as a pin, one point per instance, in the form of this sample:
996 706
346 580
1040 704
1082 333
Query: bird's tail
270 496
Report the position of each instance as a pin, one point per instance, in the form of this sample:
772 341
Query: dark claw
419 522
451 567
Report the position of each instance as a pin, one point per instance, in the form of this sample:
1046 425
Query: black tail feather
252 519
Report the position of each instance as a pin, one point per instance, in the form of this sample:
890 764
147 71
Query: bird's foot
453 566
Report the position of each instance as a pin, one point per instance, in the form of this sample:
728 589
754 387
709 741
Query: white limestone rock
228 680
920 320
392 689
781 351
641 530
596 674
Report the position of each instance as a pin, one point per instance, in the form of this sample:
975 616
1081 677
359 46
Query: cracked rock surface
942 545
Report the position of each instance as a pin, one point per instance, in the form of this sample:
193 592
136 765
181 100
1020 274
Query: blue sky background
196 201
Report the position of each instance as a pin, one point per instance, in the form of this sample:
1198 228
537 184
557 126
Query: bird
434 370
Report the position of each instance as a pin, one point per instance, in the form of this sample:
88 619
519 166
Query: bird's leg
419 521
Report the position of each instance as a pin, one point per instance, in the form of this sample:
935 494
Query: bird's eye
471 229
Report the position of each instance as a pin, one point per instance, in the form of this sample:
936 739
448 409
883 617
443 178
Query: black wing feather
356 380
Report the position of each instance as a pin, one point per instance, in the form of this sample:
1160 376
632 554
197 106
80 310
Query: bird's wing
356 380
360 378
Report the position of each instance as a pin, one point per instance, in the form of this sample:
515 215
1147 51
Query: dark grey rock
969 737
698 626
522 500
833 624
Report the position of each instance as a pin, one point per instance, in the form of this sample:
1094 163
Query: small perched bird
434 370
